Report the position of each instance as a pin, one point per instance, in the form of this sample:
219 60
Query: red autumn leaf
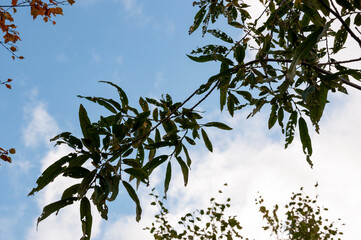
8 86
6 158
14 2
12 48
21 57
12 151
9 80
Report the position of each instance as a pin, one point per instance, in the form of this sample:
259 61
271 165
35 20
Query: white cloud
40 127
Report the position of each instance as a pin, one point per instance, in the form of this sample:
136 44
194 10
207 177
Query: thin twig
353 35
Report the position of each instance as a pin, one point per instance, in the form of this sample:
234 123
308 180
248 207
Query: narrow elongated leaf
189 160
50 174
185 170
123 97
218 125
135 198
85 183
168 176
138 173
273 117
221 35
76 172
114 188
206 140
198 18
86 218
86 127
155 162
55 207
304 49
304 136
290 128
70 191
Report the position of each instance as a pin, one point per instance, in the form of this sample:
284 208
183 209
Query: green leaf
290 128
135 198
304 49
70 191
86 218
107 103
85 183
218 125
206 140
189 161
345 4
168 176
185 170
50 174
316 109
221 35
55 207
357 20
76 172
143 104
139 120
138 173
154 163
114 188
198 18
304 136
239 53
86 127
123 97
222 98
202 58
273 116
341 37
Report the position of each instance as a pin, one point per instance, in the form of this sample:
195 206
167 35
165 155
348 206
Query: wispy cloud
40 125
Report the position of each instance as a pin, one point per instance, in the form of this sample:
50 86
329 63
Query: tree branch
316 67
348 29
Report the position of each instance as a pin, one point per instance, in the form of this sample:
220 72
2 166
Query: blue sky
142 46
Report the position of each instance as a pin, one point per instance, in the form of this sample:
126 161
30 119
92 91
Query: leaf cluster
210 223
287 74
123 148
304 219
4 154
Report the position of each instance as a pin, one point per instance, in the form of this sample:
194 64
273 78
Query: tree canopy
294 49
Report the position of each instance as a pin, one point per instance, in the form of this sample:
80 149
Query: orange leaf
6 158
21 57
9 80
14 2
8 86
12 151
12 48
